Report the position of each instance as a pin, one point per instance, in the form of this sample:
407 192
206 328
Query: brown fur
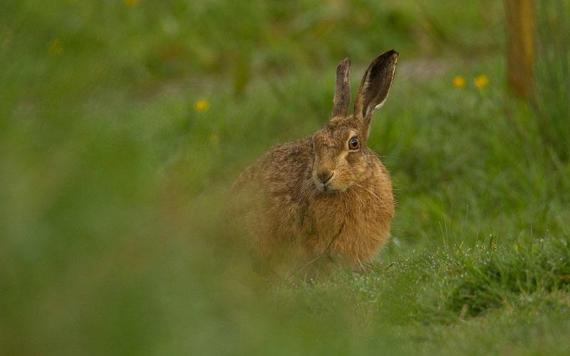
293 216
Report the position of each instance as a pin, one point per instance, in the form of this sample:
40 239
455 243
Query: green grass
113 187
553 76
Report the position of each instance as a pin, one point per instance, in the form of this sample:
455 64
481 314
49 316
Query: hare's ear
342 91
375 85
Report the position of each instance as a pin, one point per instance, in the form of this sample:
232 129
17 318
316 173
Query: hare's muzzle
324 176
322 179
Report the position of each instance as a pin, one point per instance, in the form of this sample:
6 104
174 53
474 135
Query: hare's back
283 169
270 193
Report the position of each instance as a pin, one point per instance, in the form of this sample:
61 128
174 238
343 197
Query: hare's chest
350 229
353 210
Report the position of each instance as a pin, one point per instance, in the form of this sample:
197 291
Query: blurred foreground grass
123 123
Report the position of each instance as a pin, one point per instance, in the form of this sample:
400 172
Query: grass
553 72
112 184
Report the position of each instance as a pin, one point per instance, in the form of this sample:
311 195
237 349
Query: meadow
124 123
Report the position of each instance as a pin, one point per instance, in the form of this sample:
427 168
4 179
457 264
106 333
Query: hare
328 195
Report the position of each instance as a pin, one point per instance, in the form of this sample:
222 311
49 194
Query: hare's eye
353 143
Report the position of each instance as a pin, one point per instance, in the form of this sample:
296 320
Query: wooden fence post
520 21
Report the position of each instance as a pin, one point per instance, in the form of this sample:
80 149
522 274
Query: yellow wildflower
458 81
201 105
131 3
55 47
481 81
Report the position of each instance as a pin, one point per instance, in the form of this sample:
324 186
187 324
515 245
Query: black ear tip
392 53
390 56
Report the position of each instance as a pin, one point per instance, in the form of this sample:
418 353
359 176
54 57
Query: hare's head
341 156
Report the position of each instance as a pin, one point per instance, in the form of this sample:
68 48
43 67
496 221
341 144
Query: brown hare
327 196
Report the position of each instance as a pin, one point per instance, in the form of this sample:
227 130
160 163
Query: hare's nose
324 176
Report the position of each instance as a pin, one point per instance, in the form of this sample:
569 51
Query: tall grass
553 76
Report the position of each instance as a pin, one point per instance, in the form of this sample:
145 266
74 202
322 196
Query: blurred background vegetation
122 124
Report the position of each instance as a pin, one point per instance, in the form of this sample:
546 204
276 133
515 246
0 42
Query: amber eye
353 143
